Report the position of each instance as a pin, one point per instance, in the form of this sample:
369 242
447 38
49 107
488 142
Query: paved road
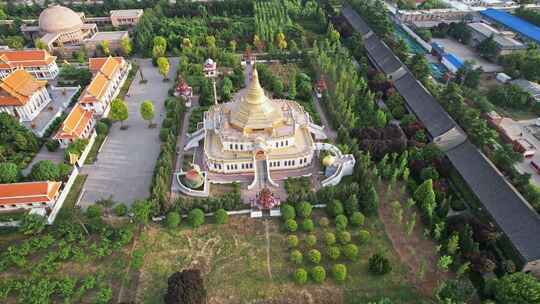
126 163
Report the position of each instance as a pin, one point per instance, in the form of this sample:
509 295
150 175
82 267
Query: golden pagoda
254 111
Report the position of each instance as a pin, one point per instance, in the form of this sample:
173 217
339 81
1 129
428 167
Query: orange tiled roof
96 89
75 123
25 58
106 65
32 192
17 88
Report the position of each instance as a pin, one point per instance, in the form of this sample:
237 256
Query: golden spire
254 110
255 93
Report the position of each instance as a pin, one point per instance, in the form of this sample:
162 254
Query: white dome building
65 31
61 26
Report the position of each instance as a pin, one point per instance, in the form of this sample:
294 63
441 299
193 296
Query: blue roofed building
451 62
524 29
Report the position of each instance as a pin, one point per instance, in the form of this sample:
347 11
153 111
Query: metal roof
454 60
509 210
424 105
382 55
516 24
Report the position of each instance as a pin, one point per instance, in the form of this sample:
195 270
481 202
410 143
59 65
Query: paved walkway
44 154
125 165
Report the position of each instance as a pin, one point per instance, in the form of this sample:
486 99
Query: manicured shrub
172 220
305 209
196 217
120 209
339 272
164 134
318 274
222 216
102 128
9 173
94 211
292 241
300 276
314 256
378 264
307 225
334 208
291 225
44 170
324 222
333 252
350 251
344 237
329 238
287 212
357 219
297 257
311 240
364 236
341 222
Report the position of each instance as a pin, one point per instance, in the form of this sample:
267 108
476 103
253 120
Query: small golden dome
328 160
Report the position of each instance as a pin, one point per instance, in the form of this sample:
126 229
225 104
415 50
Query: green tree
45 170
186 44
305 209
300 276
287 212
339 272
370 202
172 220
296 257
378 264
488 48
318 274
425 195
196 217
380 119
105 47
221 216
232 45
281 43
163 67
142 209
517 288
119 111
419 67
126 46
314 256
147 111
40 44
226 89
9 173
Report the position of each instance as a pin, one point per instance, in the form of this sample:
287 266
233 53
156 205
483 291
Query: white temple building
255 134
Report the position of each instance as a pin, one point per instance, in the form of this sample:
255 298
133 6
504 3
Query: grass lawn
71 199
92 155
233 259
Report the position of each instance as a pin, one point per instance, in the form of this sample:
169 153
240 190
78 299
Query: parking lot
465 53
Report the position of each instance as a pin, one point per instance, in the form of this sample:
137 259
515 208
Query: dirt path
121 293
267 235
416 251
